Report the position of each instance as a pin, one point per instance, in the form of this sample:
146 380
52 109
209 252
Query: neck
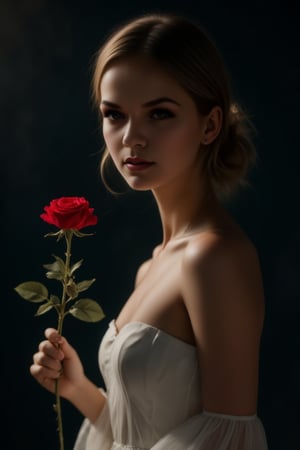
185 208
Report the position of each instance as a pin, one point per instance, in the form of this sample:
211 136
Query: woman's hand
56 358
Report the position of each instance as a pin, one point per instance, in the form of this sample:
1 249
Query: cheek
111 137
107 135
111 143
184 138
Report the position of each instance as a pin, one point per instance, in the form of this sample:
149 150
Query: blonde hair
188 54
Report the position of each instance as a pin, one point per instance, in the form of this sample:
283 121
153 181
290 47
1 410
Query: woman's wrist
88 399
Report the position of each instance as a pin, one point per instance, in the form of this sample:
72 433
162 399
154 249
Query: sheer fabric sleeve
96 435
211 431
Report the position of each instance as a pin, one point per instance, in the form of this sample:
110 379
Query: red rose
69 213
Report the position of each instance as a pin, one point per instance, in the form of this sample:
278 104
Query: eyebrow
154 102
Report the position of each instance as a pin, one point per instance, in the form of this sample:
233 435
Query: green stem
68 236
57 397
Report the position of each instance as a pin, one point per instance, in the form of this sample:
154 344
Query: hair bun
237 153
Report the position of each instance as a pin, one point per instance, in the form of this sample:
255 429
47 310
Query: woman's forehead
140 78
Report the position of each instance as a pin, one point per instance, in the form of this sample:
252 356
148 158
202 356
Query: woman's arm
223 293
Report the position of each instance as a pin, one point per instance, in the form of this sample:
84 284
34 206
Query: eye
161 114
112 114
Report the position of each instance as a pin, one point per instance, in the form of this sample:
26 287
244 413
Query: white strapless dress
154 399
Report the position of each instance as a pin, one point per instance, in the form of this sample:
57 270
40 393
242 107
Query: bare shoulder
226 266
213 250
144 267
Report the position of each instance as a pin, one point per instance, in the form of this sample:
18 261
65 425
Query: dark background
50 147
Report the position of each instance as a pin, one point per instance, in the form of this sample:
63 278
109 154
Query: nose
133 136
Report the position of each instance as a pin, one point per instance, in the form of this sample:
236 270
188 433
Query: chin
139 185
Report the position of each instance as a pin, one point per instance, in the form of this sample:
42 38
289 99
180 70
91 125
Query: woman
180 362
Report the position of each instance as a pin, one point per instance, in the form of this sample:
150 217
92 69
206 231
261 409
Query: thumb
67 349
56 339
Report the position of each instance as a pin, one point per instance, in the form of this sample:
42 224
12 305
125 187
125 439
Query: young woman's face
151 126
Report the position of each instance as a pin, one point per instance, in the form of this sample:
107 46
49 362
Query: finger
51 350
56 339
67 350
41 359
46 377
40 373
53 336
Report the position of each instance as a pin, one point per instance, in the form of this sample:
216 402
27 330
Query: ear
214 121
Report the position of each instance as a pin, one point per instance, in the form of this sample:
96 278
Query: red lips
136 160
135 164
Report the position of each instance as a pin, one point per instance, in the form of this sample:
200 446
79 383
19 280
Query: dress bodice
153 389
152 381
